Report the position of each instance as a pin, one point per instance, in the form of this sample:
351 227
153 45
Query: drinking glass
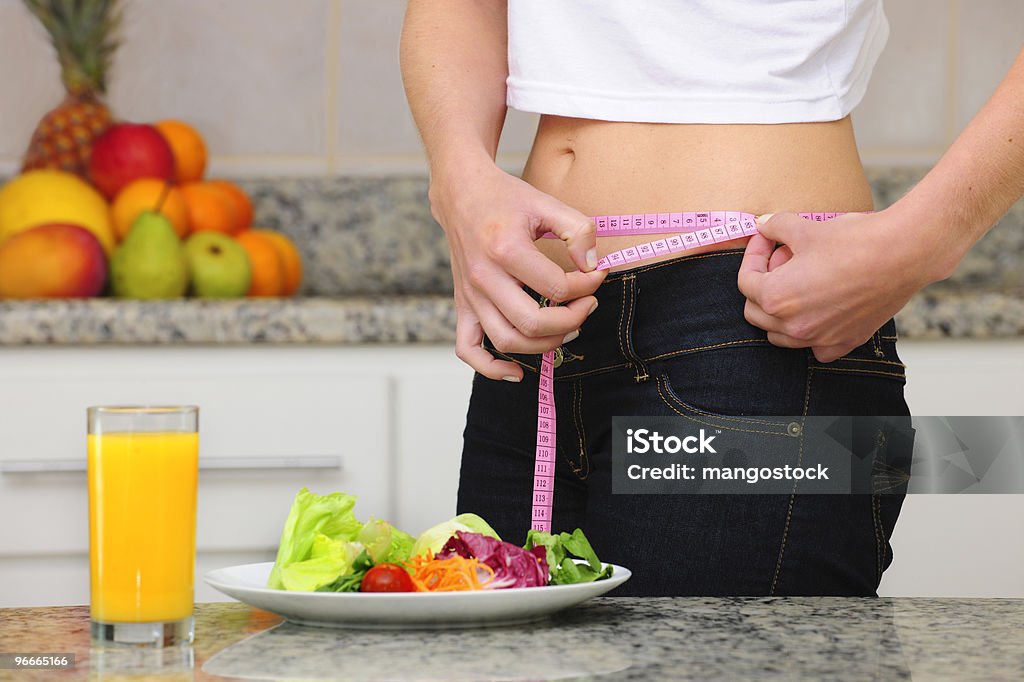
143 470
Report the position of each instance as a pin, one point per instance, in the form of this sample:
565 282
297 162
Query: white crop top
693 61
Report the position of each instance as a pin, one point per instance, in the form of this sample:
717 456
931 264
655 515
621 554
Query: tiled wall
312 86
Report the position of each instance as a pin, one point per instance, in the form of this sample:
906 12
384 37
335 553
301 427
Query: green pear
220 266
150 263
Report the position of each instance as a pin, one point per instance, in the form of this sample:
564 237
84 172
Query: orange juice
142 501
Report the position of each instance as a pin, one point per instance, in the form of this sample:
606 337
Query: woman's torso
610 168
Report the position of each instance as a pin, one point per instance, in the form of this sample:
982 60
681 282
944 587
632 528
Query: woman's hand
491 220
833 284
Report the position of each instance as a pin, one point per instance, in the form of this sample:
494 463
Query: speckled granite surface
377 270
607 639
357 319
387 319
358 235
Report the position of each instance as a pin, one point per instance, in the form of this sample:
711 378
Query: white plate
247 583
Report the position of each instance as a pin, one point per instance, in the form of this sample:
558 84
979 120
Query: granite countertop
398 318
809 638
377 271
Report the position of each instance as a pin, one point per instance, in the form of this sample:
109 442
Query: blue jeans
670 338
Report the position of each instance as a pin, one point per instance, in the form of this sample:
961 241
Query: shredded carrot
448 575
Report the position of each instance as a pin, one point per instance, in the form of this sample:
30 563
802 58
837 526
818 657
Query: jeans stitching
862 371
582 470
876 512
622 317
880 542
792 495
898 476
876 340
700 348
697 410
589 372
884 362
662 387
876 502
641 368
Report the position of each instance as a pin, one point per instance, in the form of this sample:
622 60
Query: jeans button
559 357
794 429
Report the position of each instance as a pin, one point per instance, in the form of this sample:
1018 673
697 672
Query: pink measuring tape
698 229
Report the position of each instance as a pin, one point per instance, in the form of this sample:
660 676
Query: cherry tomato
387 578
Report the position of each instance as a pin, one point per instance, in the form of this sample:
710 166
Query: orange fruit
144 195
243 205
188 147
268 270
209 209
289 256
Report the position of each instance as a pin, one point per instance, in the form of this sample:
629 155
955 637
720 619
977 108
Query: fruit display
52 261
82 35
128 152
47 196
220 266
154 238
150 263
189 150
143 195
268 265
104 206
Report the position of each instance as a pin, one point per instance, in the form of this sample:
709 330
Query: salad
325 548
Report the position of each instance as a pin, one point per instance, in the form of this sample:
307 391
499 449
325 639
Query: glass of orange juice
143 471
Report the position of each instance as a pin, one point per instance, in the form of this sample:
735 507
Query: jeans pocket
736 388
734 422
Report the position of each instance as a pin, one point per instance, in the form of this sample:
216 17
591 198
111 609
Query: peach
52 261
128 152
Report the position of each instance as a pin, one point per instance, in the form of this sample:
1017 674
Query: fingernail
765 217
571 336
592 259
592 309
514 380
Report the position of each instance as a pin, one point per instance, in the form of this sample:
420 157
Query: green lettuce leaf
433 539
384 543
313 515
328 559
562 549
351 581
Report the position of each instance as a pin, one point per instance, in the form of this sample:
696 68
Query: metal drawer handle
60 466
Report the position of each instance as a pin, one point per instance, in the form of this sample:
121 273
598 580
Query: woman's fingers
780 257
754 266
469 338
760 319
498 290
783 341
527 264
508 339
775 327
575 229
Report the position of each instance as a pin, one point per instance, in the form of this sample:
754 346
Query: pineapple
82 34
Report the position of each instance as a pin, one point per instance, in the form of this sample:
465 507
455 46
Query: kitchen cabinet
393 416
272 420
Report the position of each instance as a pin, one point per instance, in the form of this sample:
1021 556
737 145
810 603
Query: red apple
127 152
52 261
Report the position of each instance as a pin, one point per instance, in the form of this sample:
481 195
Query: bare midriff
610 168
